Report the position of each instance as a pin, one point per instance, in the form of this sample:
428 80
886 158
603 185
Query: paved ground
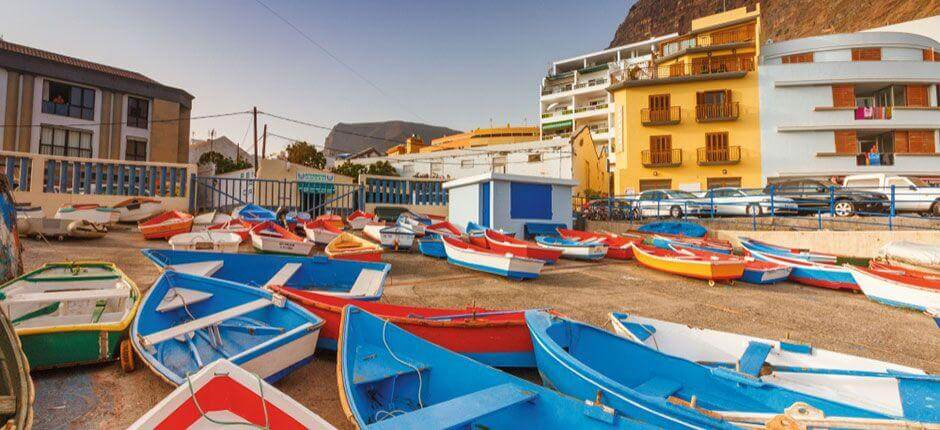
105 397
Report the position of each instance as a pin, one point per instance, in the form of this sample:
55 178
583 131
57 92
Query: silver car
671 203
750 202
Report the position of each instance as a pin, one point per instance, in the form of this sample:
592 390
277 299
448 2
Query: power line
86 124
327 128
338 60
291 139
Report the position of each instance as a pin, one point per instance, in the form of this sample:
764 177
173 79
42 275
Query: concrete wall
464 205
849 243
500 208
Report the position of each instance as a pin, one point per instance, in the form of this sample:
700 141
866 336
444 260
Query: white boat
207 240
397 237
82 229
60 229
321 232
916 254
576 250
270 237
207 219
138 209
373 231
227 393
857 381
415 222
473 257
92 212
897 289
25 214
359 219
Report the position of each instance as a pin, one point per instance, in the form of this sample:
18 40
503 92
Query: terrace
706 68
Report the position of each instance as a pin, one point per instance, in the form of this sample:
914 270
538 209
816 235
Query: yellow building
484 137
689 119
412 145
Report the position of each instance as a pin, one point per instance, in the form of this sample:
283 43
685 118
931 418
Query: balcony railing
876 159
556 113
874 112
719 156
684 70
580 109
556 89
668 116
717 112
667 158
592 83
716 39
599 130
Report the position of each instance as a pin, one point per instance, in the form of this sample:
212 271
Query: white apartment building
574 93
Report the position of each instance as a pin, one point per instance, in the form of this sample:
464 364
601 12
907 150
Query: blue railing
405 191
18 169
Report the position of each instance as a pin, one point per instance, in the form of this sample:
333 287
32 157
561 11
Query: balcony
648 75
876 159
556 89
591 83
719 156
718 39
874 112
590 108
557 113
669 116
667 158
713 112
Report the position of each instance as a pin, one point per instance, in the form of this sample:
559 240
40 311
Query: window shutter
843 95
700 98
727 96
901 144
921 141
846 142
917 95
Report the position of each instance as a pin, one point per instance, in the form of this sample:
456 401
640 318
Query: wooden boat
26 215
690 266
296 218
16 387
166 225
470 256
71 313
358 219
187 321
321 232
792 253
674 228
431 245
520 248
493 337
877 386
476 234
207 240
349 247
253 214
136 209
573 249
90 212
335 221
340 278
417 223
212 218
82 229
373 230
898 287
805 272
581 360
269 237
444 228
665 242
922 255
240 227
397 237
435 388
618 246
755 271
60 229
224 393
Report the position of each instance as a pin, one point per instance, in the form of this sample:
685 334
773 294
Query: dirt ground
104 397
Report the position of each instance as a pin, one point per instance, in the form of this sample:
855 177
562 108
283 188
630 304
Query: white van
910 195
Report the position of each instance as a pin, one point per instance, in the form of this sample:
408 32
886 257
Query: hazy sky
456 64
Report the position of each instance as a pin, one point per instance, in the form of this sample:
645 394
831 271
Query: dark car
813 196
598 209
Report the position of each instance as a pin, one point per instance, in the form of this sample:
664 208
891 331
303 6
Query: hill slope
354 137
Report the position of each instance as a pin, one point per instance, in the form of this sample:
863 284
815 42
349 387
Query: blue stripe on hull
507 273
757 277
433 249
898 304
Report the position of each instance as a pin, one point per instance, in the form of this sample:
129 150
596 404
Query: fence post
892 212
610 207
192 193
818 219
772 201
832 201
711 198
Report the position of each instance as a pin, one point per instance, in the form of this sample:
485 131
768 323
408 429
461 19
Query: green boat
67 314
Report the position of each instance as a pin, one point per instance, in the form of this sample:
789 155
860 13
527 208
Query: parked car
737 202
672 203
910 195
812 196
598 209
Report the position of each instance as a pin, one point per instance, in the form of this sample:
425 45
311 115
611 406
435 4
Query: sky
442 62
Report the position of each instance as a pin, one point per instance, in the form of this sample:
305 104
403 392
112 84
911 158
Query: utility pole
254 114
264 142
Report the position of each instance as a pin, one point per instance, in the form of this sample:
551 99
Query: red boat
444 228
904 275
237 226
618 246
496 338
166 225
333 220
520 248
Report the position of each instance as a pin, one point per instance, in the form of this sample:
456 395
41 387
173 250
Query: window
716 146
135 150
466 164
138 111
499 164
719 97
535 158
798 58
866 54
659 102
653 184
724 182
661 149
68 100
61 141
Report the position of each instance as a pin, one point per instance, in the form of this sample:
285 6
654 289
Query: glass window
60 141
138 111
68 100
681 195
135 150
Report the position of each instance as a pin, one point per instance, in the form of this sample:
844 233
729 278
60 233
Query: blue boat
698 245
577 250
392 379
805 272
186 322
342 278
678 228
431 245
935 314
584 361
254 214
794 253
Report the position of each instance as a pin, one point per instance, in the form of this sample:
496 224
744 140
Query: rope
418 371
204 414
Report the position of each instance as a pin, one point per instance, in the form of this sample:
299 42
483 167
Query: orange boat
333 220
693 266
618 246
236 225
166 225
349 247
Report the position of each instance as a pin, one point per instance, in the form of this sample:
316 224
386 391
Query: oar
470 315
187 339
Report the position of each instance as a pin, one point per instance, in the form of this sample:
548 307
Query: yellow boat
699 267
349 247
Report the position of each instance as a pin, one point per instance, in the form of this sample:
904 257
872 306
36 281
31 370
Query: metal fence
814 208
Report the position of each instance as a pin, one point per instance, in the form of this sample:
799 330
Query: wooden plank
283 275
204 322
66 296
462 410
366 282
179 297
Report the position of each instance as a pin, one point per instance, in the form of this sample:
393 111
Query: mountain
780 19
354 137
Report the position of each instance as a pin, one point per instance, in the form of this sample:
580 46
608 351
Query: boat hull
208 240
71 348
618 247
515 268
320 236
432 247
894 293
139 212
699 269
813 274
589 251
799 254
507 245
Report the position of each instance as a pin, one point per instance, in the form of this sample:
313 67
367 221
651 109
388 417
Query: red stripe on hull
371 257
479 241
620 253
825 284
223 393
509 245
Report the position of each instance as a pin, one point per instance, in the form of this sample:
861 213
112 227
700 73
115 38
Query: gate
218 193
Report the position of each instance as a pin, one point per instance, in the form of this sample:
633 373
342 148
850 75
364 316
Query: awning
557 125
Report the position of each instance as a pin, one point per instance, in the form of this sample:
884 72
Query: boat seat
367 283
460 411
283 275
176 298
206 321
202 268
753 358
659 387
640 331
68 296
369 369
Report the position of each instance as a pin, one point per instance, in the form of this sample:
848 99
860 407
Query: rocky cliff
780 19
354 137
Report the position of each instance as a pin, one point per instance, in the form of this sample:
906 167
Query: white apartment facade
850 103
574 93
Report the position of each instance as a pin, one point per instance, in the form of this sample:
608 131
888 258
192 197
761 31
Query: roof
492 176
32 60
363 153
